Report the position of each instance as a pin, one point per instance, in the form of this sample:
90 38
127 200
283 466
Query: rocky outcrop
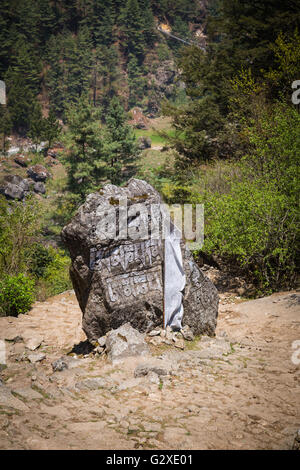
38 173
139 120
165 74
120 280
22 161
14 187
39 188
144 143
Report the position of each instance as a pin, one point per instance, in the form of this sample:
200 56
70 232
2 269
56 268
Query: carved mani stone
119 280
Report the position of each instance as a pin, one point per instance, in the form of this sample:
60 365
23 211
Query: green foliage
19 223
255 221
22 80
136 81
5 127
56 278
51 128
105 75
120 145
27 267
285 69
84 148
131 20
70 73
40 258
16 294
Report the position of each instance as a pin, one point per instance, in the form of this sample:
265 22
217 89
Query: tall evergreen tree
103 22
105 75
36 124
84 148
119 143
148 22
136 81
132 29
51 128
5 127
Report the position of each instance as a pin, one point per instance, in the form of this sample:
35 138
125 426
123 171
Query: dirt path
239 390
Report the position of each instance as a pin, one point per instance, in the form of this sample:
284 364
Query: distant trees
95 152
84 155
131 21
241 36
23 82
119 142
136 81
68 48
5 127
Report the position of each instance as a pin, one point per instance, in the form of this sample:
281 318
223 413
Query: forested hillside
53 52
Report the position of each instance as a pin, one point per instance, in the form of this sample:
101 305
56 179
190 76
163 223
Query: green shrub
56 277
39 259
256 221
16 294
256 227
19 224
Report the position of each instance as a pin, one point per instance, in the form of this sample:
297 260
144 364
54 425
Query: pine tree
84 155
36 124
103 22
51 128
47 21
23 82
148 22
136 82
132 29
119 143
105 75
55 74
5 127
6 39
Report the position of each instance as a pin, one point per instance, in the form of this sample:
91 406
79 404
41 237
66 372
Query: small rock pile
126 341
16 187
170 337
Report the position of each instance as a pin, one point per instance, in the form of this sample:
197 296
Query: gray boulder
143 369
144 143
14 187
59 365
120 280
21 160
165 74
39 188
38 173
125 342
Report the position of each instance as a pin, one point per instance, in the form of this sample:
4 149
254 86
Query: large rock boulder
120 280
22 161
14 187
39 188
124 342
144 143
165 74
38 173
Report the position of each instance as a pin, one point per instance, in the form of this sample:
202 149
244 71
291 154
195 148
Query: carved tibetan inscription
129 271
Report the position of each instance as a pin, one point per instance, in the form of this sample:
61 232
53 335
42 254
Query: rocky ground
239 390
